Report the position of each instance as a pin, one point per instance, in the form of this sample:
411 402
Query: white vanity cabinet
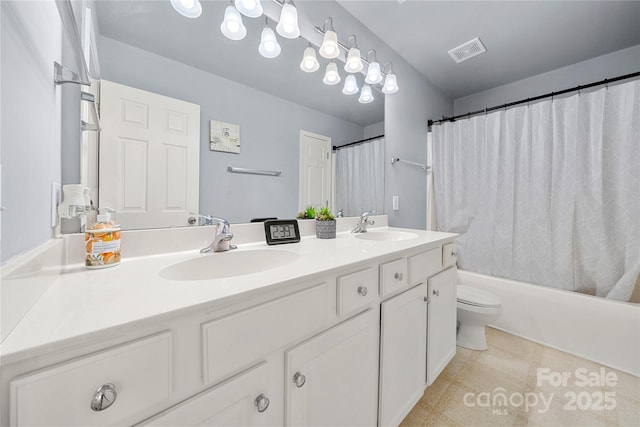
242 401
332 378
418 331
100 389
403 346
441 322
350 346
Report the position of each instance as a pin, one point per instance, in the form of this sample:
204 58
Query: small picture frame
224 137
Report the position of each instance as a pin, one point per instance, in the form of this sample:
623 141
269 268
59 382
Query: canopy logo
583 400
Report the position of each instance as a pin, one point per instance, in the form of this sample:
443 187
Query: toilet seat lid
477 297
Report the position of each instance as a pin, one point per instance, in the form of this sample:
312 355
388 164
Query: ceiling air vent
467 50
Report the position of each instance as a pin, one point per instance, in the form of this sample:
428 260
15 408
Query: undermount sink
388 236
228 264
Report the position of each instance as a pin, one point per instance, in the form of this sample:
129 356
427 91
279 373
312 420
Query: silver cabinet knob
191 220
436 292
362 290
261 402
399 276
299 379
104 397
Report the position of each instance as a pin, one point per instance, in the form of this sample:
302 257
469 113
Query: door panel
441 322
338 376
315 170
402 354
149 157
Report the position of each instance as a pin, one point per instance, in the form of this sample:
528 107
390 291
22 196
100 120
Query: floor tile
511 369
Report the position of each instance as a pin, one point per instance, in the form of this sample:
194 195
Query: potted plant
325 224
308 213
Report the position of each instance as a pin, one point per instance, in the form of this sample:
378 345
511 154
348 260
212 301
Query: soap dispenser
102 241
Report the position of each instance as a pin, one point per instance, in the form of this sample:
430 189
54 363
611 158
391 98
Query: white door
441 322
332 379
315 170
402 354
242 401
149 157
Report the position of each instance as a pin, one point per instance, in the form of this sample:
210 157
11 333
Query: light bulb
329 48
249 8
331 75
354 62
269 46
288 25
390 84
232 26
187 8
350 85
365 95
374 76
309 62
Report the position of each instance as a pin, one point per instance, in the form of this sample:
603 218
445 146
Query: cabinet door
441 322
244 400
331 379
402 354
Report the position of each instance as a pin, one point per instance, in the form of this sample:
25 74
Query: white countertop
78 301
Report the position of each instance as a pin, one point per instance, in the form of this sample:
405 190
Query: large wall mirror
146 45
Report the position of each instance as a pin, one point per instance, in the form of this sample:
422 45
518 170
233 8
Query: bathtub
598 329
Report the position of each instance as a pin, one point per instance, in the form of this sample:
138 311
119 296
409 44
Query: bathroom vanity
345 331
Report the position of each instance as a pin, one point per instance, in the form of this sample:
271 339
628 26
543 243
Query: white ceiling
523 38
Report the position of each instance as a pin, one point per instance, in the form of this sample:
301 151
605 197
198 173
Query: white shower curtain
360 178
547 193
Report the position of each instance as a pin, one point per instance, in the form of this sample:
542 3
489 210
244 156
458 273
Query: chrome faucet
222 237
361 226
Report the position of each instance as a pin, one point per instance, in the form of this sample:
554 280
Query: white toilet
476 308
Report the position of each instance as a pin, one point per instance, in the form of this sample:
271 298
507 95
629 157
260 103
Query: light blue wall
406 113
269 131
614 64
30 115
374 130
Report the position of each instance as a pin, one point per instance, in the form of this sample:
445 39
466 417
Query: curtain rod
536 98
337 147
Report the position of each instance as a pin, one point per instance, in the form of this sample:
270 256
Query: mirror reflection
182 107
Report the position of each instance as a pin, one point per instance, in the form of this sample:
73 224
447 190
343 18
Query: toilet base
471 336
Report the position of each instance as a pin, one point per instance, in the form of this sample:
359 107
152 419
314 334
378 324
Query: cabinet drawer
231 403
449 254
60 395
423 265
235 342
356 290
393 276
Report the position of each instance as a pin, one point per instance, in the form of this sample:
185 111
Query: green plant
308 213
324 214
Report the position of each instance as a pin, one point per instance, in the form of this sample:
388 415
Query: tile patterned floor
468 391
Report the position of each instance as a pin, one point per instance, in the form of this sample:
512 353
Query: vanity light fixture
350 85
249 8
269 46
329 48
188 8
354 62
390 82
331 75
365 95
309 62
288 25
374 75
232 26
